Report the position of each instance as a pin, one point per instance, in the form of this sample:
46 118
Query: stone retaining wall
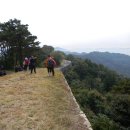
86 123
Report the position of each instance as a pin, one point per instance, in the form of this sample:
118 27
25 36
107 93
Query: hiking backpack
50 63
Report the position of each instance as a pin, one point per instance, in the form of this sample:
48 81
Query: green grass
37 102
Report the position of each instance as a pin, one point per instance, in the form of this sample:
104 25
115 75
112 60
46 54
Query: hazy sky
76 25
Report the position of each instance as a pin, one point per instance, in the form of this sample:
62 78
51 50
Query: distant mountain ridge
114 61
125 51
66 51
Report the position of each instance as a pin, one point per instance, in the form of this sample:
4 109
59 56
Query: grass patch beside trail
36 102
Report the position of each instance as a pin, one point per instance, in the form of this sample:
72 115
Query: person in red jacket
25 63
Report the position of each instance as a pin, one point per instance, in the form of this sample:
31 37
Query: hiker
18 68
2 70
33 64
50 64
25 63
29 63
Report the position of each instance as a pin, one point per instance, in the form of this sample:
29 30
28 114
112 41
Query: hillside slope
38 102
115 61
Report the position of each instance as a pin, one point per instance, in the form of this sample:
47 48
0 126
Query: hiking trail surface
38 102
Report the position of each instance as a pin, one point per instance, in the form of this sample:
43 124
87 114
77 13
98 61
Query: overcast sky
76 25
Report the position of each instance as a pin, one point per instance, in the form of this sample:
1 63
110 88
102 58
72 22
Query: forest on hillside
17 42
115 61
102 94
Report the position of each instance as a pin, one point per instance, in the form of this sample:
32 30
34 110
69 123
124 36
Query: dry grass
36 102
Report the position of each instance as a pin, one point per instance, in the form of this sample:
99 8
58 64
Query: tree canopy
16 42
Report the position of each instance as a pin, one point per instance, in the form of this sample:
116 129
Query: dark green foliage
46 50
91 99
16 42
101 93
93 75
72 76
95 101
120 109
58 56
123 87
102 122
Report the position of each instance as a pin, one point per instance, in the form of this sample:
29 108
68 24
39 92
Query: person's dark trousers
25 67
49 69
52 70
33 67
29 67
